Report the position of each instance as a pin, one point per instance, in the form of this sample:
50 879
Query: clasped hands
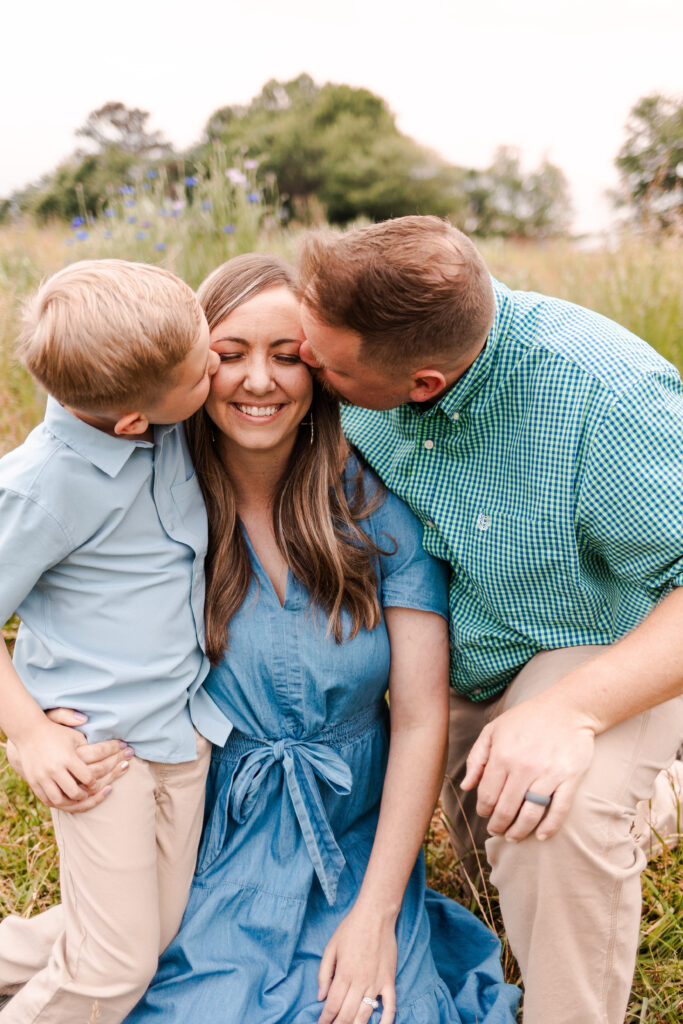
540 746
62 768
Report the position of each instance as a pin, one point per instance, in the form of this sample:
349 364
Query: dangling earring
309 423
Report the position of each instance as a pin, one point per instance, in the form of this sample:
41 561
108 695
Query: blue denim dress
291 812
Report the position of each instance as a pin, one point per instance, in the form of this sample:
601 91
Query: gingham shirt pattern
549 477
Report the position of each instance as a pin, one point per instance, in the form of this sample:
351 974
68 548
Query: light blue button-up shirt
102 546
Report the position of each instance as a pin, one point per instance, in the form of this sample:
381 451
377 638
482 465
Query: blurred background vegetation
335 154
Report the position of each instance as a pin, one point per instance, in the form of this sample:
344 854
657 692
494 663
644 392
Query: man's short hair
412 288
104 335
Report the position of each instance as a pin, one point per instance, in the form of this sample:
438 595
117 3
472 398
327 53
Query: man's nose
306 354
214 362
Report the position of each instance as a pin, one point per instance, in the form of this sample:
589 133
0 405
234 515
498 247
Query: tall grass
202 224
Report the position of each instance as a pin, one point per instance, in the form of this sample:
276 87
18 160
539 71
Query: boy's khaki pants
125 872
571 905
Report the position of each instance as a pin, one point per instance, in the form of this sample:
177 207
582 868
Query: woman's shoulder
385 512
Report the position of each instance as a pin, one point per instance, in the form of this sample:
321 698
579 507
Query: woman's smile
257 412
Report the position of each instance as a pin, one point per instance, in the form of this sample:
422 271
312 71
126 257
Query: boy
102 543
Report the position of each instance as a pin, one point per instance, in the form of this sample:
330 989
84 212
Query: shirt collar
464 389
107 453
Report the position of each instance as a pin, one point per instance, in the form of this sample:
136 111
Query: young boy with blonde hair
102 544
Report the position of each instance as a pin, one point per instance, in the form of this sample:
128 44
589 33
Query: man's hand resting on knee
540 747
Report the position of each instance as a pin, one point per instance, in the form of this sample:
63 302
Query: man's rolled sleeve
31 541
630 502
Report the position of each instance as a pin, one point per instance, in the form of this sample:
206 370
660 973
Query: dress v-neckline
259 565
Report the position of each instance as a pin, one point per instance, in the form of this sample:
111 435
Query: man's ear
131 424
427 385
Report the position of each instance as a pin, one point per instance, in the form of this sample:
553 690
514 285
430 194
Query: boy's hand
63 769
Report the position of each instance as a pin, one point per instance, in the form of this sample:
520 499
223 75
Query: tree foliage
339 145
119 142
650 163
333 151
116 126
503 200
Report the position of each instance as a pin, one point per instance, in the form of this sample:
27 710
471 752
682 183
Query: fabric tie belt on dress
302 760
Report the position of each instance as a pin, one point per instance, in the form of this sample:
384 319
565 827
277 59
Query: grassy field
638 284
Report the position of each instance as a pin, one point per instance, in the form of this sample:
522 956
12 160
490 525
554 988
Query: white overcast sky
554 77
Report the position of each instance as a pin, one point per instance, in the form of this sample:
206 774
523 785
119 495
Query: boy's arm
48 752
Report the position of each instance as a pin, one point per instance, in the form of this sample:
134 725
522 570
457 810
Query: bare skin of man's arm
546 743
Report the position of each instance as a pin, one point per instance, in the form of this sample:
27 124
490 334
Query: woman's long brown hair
316 528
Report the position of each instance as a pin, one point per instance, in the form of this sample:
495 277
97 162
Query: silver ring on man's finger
374 1003
536 798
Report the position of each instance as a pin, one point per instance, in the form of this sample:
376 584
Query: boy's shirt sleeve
31 541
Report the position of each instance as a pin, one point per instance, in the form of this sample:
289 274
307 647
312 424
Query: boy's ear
132 424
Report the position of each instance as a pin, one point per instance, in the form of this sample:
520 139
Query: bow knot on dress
302 761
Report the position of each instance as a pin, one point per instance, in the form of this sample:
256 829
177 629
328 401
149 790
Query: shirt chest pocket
520 566
190 525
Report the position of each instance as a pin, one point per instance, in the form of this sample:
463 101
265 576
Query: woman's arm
360 958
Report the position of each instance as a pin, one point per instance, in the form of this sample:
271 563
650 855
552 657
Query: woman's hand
359 960
103 762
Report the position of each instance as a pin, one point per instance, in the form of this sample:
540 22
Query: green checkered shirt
549 477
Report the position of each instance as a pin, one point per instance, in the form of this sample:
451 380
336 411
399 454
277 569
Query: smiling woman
262 390
309 901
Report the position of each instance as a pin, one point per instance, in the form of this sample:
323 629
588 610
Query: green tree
338 146
650 163
116 126
85 181
503 200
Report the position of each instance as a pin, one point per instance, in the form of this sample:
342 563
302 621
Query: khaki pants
125 872
571 905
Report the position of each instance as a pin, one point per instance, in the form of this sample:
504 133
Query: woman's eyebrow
245 341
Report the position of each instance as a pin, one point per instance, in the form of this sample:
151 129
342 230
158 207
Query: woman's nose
259 376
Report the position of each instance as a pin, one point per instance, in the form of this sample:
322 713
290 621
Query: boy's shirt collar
110 454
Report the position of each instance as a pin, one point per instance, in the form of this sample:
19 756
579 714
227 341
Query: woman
308 902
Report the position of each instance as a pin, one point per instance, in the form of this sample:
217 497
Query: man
541 445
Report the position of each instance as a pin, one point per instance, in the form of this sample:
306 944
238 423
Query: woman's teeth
258 410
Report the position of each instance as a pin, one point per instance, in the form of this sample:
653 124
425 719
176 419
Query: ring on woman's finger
374 1003
536 798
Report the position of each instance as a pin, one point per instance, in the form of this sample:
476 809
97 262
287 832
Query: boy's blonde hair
105 335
